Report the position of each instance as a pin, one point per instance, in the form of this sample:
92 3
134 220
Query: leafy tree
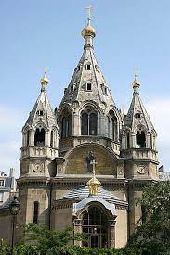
40 240
153 235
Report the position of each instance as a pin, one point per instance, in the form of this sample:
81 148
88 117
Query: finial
88 31
44 81
136 83
93 184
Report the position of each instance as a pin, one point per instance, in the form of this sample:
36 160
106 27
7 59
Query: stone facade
86 137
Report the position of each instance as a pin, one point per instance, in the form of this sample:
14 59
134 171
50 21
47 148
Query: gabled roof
83 192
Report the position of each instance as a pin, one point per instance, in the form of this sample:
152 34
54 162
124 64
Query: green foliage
4 248
153 236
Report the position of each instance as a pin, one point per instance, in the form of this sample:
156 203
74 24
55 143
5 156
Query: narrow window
114 128
35 212
89 123
1 183
66 129
51 139
28 138
141 139
105 90
39 137
88 67
128 140
41 113
93 124
84 124
137 115
88 86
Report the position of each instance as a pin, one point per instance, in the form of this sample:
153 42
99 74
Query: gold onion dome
44 81
88 31
136 83
93 185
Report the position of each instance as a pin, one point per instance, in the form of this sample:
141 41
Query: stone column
47 138
75 125
32 137
112 233
123 142
77 228
148 140
133 140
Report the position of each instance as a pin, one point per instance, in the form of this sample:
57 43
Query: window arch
141 139
39 137
35 212
66 126
89 122
95 225
114 126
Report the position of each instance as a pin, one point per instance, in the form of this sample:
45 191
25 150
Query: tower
39 138
37 163
139 152
139 140
87 114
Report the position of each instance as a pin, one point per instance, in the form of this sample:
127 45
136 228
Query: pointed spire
88 32
44 81
93 184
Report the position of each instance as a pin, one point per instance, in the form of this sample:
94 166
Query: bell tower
139 153
139 140
39 138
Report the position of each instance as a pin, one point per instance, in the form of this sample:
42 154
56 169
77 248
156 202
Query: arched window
51 139
89 121
95 225
35 212
84 124
114 126
141 139
39 137
66 126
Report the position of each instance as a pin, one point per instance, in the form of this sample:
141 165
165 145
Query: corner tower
39 138
139 140
87 112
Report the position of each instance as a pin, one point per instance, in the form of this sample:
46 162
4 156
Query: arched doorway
95 225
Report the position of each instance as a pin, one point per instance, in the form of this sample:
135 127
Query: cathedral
85 163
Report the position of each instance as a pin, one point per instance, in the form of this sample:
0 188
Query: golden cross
89 12
136 73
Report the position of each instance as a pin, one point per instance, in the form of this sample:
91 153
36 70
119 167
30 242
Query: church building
85 164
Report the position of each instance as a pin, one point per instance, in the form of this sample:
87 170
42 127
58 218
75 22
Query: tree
41 240
153 235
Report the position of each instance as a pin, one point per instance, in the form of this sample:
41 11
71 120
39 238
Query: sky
35 35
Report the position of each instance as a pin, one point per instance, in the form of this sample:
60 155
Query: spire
42 109
88 32
44 82
137 114
93 184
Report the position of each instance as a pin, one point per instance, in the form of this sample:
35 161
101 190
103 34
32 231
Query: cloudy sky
46 34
